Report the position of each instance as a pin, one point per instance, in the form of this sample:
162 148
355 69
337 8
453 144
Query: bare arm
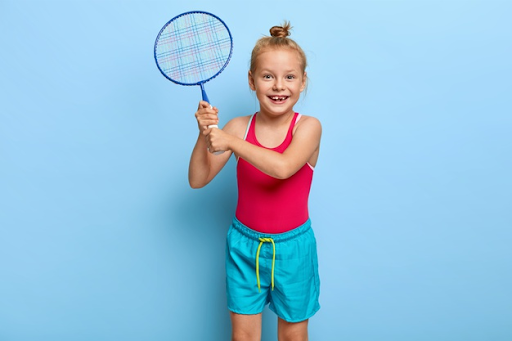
305 144
204 165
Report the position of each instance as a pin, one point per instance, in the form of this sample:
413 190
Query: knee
244 335
293 336
293 331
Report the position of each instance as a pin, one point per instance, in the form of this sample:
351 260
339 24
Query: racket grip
205 98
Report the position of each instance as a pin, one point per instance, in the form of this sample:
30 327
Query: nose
278 85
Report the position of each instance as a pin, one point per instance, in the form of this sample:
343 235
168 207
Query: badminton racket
193 48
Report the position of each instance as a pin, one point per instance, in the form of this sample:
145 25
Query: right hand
206 115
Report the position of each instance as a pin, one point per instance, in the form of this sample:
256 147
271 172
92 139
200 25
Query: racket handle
203 93
205 98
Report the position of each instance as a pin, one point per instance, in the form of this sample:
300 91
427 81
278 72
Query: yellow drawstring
265 240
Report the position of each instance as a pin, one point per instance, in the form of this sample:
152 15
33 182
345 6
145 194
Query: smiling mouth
278 99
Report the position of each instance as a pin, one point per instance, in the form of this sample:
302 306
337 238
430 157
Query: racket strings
216 53
193 48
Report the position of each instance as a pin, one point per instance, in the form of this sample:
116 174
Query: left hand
217 140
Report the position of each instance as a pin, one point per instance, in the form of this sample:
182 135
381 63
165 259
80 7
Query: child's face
278 80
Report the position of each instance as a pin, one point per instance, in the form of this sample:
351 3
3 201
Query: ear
304 81
251 81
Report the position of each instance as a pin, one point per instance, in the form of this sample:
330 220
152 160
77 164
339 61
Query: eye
290 77
267 76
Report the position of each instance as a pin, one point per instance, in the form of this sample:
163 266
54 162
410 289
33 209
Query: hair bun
281 31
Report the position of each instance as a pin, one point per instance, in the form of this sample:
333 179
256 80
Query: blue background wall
102 239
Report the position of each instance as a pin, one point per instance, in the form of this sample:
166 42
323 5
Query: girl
271 249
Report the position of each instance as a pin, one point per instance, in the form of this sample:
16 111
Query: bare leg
245 327
288 331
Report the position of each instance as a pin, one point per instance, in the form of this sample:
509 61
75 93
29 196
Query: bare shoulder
237 126
308 123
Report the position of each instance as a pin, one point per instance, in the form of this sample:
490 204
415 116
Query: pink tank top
267 204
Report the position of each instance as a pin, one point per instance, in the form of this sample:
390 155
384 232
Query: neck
266 118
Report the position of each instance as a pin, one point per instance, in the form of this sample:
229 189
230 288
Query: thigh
245 327
297 284
292 331
242 291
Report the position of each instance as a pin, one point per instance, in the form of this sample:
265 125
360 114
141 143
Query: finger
203 104
209 124
207 113
208 108
210 115
207 119
205 127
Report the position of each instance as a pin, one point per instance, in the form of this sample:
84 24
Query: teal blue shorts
276 269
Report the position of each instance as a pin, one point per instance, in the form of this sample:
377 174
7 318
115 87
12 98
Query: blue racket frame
200 83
